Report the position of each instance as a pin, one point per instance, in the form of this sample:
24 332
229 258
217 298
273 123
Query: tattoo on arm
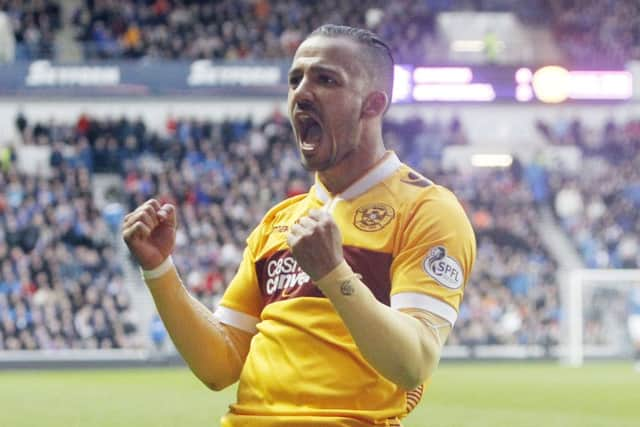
346 288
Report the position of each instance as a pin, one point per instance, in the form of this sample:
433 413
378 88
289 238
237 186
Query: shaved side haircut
375 52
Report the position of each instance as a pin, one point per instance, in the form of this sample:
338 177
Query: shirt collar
384 169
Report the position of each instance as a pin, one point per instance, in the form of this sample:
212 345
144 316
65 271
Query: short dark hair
377 51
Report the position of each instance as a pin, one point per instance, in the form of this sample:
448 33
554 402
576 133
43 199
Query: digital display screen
549 84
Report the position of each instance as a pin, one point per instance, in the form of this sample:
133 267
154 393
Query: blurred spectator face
328 85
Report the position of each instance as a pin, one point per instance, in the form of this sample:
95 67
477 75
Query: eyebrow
317 68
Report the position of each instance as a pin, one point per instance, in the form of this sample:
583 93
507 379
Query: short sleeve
241 303
434 257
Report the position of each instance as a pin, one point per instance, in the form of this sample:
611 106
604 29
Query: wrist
158 271
340 273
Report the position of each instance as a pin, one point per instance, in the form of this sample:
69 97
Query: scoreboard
547 84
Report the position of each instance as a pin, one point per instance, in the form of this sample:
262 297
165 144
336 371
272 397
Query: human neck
353 166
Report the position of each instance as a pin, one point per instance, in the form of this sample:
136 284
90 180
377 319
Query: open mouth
309 132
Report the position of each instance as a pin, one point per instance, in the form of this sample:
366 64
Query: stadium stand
599 208
232 30
590 33
593 33
34 24
224 175
60 284
255 30
196 29
514 297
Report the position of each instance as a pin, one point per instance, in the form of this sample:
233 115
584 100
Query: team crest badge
443 268
373 217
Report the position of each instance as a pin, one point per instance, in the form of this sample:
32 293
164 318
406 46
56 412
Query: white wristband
165 266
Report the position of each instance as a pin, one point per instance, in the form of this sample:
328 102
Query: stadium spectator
158 333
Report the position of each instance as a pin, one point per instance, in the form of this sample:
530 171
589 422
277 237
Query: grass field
462 395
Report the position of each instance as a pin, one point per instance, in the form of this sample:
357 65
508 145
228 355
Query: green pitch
462 395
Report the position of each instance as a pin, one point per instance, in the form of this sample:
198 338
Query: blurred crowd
34 24
591 33
261 29
224 176
594 33
513 295
61 285
231 30
599 207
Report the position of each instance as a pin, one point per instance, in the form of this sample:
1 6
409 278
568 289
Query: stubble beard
315 168
327 164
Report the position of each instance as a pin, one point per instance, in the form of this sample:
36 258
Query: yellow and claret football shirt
414 247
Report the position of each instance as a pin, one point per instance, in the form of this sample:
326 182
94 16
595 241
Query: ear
375 104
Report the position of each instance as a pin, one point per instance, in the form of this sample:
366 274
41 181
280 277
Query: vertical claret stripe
374 268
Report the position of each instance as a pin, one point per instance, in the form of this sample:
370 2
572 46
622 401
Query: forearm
399 346
214 351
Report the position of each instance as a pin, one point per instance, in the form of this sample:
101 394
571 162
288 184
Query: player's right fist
150 233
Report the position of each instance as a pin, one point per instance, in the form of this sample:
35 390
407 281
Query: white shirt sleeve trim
237 319
159 271
424 302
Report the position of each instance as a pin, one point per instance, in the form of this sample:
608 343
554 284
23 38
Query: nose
302 96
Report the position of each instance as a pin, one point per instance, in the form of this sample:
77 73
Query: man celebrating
346 294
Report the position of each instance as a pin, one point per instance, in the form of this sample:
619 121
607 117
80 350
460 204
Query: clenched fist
150 233
316 243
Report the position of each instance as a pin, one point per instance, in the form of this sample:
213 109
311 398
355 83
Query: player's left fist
316 243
